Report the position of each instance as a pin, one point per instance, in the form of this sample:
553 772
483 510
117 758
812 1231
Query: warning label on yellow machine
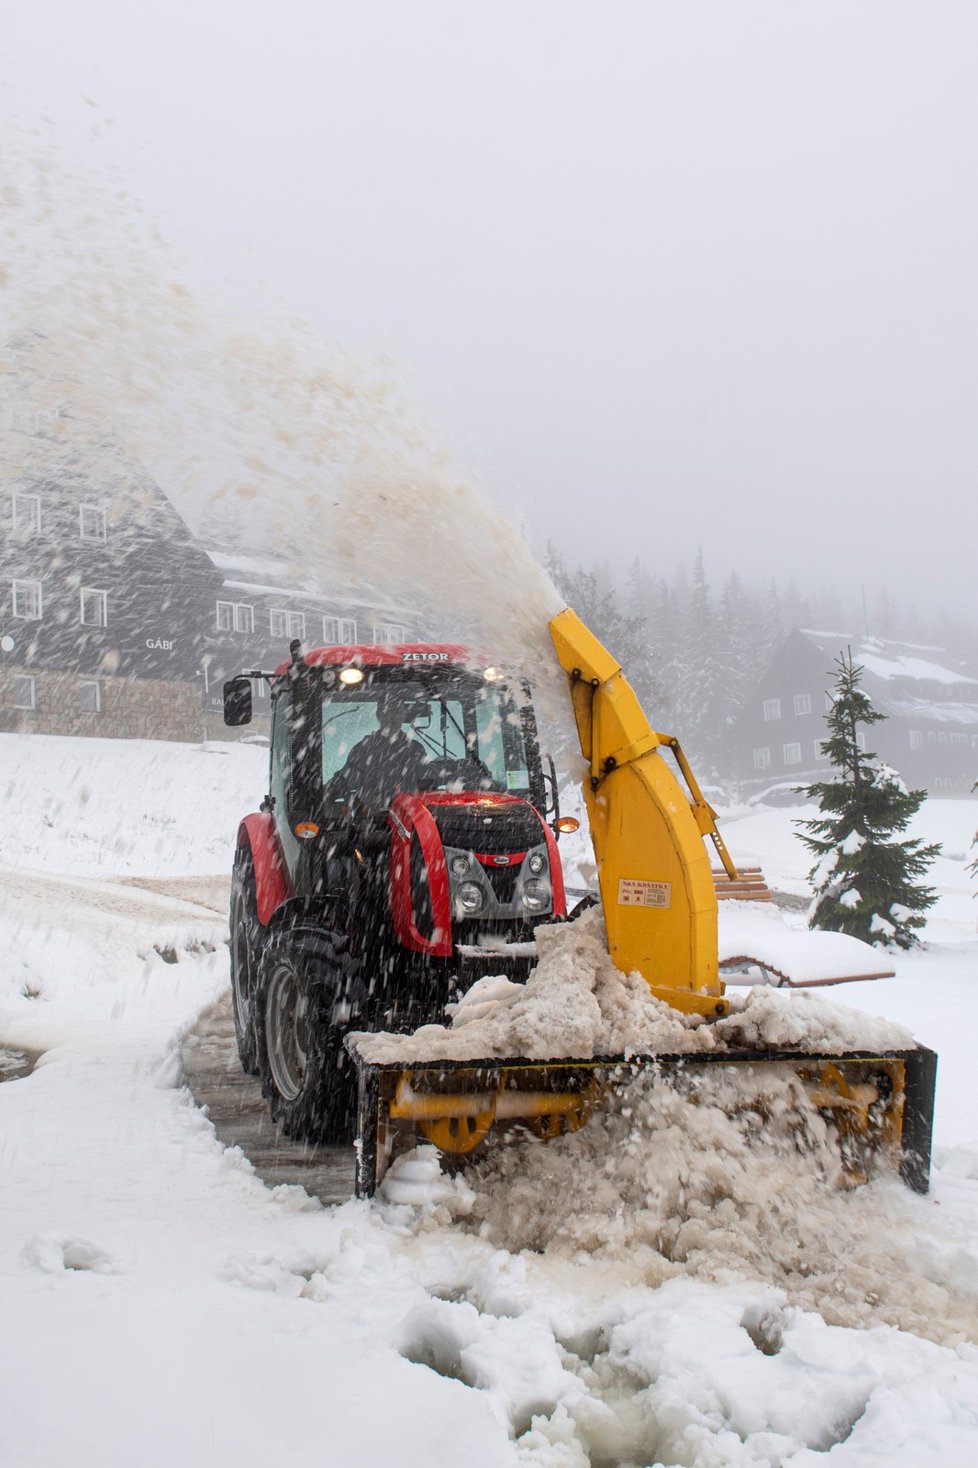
634 893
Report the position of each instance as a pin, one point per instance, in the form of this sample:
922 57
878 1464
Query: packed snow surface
680 1283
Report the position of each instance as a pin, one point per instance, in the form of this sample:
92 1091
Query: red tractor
407 845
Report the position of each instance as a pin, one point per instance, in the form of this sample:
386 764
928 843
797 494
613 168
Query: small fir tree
866 883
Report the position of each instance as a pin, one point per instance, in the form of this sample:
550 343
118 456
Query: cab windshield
470 732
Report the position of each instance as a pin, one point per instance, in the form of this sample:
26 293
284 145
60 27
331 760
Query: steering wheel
439 772
339 800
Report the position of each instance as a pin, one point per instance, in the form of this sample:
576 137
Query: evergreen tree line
694 651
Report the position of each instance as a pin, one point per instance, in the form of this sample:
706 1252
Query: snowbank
101 807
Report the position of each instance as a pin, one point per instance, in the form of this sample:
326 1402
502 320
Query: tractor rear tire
308 1079
245 943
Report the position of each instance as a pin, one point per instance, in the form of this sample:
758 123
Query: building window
762 759
340 631
27 600
916 739
90 696
25 692
388 632
772 709
287 624
27 512
91 522
829 703
861 740
820 755
94 607
959 738
235 617
792 754
803 703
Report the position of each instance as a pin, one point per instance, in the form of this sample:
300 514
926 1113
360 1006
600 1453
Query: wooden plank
749 885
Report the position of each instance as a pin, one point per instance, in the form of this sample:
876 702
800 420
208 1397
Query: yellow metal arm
656 884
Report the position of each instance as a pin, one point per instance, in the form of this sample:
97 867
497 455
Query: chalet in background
930 733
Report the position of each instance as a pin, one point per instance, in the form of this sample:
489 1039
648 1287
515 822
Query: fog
662 276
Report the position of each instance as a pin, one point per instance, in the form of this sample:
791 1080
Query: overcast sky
664 274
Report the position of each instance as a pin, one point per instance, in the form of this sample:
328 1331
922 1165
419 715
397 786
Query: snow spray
269 437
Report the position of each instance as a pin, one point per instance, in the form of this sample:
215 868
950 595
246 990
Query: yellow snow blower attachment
656 882
660 911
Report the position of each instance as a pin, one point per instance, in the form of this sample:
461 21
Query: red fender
272 885
410 814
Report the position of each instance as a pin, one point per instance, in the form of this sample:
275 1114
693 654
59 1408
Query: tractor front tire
245 944
307 1076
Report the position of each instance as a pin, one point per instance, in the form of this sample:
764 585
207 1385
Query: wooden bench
750 885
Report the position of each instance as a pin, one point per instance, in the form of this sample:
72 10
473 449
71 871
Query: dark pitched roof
906 679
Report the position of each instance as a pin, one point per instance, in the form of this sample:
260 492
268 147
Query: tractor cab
409 805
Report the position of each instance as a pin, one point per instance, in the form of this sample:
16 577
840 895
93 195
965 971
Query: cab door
280 778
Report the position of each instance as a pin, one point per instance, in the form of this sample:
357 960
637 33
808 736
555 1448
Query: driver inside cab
384 762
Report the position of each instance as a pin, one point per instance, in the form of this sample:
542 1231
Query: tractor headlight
459 865
470 897
537 862
535 895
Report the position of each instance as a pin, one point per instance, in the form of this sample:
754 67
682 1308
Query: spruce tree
866 883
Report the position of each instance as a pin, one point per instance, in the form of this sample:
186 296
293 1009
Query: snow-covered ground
668 1286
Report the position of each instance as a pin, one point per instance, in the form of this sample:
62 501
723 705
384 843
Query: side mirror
552 806
237 702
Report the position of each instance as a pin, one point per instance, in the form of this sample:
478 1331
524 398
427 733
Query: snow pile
576 1004
805 1021
755 930
416 1180
716 1175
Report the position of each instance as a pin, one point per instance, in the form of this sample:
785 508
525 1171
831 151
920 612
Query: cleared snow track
233 1102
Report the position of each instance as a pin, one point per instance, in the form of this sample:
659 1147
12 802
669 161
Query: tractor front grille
491 832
